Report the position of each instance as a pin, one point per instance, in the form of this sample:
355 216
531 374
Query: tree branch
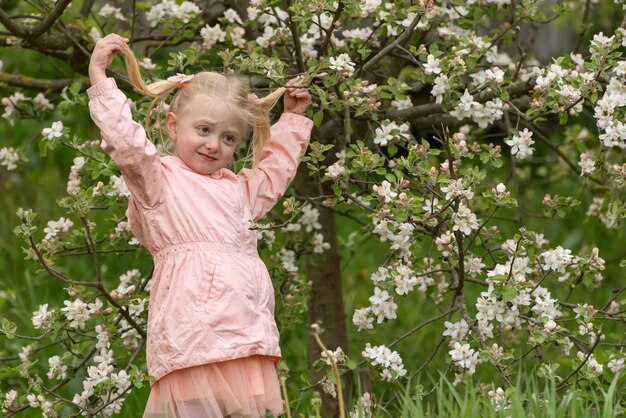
19 80
32 33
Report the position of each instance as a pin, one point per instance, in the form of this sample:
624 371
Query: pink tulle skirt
245 387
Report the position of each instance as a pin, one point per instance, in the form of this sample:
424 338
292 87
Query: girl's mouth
207 157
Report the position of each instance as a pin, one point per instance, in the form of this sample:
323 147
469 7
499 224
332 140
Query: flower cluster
184 12
388 362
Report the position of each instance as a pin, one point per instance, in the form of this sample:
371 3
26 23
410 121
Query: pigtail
260 114
158 90
155 90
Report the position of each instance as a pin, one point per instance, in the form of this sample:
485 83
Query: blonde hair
229 88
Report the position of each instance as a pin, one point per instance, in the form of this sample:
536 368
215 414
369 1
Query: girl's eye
229 139
205 130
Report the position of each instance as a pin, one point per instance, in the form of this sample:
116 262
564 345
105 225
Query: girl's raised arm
281 155
122 138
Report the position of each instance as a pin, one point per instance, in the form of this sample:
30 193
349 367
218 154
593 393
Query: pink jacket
212 298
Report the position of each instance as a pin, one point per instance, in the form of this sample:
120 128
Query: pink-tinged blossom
42 102
236 36
343 64
212 35
521 144
402 104
445 243
11 103
73 184
464 357
54 228
587 164
53 132
335 171
385 192
9 158
338 356
362 319
9 400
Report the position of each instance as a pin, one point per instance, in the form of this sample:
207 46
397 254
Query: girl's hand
103 54
296 100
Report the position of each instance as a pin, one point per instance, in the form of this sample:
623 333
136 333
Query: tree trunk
326 304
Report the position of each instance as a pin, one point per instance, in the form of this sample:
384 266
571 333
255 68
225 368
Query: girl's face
205 133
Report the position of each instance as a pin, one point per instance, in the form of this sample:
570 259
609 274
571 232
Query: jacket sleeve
278 164
126 142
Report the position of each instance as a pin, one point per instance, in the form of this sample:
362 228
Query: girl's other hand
103 55
296 99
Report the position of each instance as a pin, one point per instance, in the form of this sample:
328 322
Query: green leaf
392 149
7 328
509 293
318 117
562 118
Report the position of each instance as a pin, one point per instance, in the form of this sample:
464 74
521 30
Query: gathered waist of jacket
209 246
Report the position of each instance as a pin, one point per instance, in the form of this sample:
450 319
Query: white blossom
342 63
54 228
521 144
464 356
53 132
383 306
385 192
390 131
57 370
557 259
107 11
77 312
389 361
212 35
41 317
9 158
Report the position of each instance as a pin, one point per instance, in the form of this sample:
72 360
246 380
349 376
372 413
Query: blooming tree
439 132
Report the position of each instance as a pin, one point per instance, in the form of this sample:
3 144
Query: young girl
212 339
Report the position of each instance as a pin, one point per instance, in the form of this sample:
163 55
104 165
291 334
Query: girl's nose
211 143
